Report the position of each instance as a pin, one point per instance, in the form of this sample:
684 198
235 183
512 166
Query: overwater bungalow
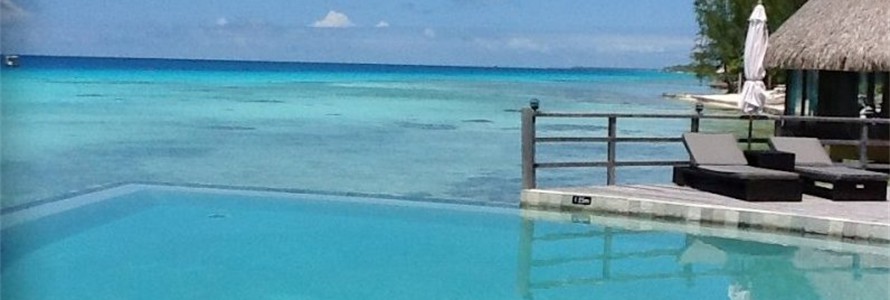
837 57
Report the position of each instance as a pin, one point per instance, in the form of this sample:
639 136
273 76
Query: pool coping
721 215
113 185
15 215
545 210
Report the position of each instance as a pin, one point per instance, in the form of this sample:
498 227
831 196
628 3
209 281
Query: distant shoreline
358 64
724 101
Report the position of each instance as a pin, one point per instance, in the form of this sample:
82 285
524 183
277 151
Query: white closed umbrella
754 91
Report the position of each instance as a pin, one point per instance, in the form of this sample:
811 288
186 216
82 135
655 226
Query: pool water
166 243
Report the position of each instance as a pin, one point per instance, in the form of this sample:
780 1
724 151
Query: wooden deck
859 220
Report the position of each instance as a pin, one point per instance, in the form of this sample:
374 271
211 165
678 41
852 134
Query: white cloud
519 44
429 32
11 12
638 44
382 24
222 22
333 20
587 43
526 44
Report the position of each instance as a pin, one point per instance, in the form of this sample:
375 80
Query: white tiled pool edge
705 213
55 206
547 200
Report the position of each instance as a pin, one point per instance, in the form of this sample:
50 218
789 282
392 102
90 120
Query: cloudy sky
528 33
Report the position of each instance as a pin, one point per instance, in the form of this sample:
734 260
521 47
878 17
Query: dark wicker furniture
821 177
770 159
718 166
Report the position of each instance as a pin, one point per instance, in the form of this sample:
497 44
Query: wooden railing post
529 178
863 145
610 163
750 129
696 120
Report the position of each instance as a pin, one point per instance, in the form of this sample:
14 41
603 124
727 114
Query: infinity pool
156 242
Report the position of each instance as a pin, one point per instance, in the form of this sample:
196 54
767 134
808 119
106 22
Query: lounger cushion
807 151
748 172
713 149
836 173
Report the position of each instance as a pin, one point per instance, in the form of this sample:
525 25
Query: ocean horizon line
145 60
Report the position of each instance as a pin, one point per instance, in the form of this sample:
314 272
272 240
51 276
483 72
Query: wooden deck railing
530 139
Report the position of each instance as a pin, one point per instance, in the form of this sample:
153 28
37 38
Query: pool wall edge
731 217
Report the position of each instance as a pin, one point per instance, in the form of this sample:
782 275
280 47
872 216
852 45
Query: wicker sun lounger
718 166
821 177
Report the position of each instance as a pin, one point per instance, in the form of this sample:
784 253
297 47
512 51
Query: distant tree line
723 25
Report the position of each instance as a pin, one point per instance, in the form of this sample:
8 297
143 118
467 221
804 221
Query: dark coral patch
426 126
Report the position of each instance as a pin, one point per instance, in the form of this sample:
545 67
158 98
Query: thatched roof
840 35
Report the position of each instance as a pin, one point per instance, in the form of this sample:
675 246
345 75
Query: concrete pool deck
857 220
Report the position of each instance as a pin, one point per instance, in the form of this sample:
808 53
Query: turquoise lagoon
69 124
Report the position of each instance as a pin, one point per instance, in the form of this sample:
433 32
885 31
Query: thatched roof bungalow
836 52
835 35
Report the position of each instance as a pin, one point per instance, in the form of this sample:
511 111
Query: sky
506 33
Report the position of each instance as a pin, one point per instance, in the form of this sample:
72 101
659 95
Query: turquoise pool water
163 243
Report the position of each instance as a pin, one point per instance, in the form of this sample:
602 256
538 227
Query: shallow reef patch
426 126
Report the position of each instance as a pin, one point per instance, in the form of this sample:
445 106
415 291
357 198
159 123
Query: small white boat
11 60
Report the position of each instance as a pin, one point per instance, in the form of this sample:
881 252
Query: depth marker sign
581 200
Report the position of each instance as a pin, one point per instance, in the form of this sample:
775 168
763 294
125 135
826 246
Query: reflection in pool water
177 243
630 251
